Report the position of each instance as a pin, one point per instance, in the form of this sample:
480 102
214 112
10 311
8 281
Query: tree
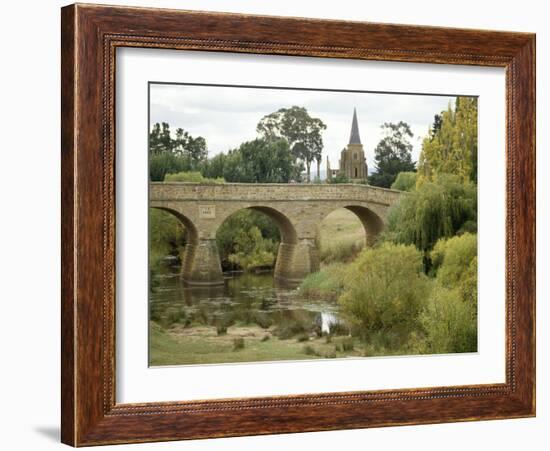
260 161
393 154
213 168
438 209
231 241
170 155
166 237
340 177
234 169
436 126
450 316
450 324
384 293
185 145
164 163
300 130
252 250
451 144
405 181
160 139
452 257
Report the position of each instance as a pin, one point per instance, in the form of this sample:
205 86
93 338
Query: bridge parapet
255 192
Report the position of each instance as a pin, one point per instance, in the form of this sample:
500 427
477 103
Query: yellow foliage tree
451 145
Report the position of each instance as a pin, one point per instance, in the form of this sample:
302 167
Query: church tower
352 158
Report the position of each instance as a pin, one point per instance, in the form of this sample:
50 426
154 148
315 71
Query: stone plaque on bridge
207 211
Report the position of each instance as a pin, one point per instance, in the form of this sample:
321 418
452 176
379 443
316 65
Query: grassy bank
325 285
341 237
202 345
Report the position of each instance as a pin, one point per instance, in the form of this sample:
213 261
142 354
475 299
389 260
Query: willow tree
451 145
437 209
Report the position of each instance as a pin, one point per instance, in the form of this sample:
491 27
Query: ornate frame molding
90 36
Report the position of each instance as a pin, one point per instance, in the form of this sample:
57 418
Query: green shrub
449 322
265 338
221 329
469 226
326 284
238 343
262 319
467 287
252 250
166 163
451 258
201 315
455 266
405 181
339 178
341 251
290 328
222 323
348 344
166 237
192 177
174 316
302 337
339 328
309 350
238 236
384 292
155 313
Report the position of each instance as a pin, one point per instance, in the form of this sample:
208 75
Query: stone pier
295 261
201 264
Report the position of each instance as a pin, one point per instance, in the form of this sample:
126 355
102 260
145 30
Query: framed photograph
279 225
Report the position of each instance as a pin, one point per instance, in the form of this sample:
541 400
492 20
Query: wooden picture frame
90 36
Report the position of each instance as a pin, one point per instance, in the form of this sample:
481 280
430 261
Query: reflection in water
328 320
244 298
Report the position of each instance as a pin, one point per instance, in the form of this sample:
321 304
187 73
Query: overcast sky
227 116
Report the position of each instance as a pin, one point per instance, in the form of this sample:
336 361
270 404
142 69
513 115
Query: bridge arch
191 232
372 223
288 255
191 242
286 228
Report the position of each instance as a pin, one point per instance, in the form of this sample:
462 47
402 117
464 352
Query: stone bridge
297 209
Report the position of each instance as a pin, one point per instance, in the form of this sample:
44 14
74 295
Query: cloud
227 116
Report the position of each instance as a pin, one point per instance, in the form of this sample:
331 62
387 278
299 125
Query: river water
245 298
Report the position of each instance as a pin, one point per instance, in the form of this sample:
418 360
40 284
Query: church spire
354 137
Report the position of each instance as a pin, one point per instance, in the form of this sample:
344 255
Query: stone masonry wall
297 209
